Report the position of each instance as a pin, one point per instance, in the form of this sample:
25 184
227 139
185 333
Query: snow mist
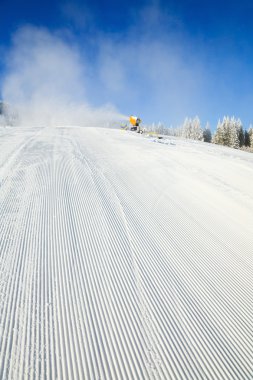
46 80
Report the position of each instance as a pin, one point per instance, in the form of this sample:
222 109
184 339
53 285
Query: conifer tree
240 132
207 135
186 132
233 134
250 131
229 132
226 131
197 132
192 129
246 139
216 137
221 136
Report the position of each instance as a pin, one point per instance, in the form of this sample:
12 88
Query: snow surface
124 258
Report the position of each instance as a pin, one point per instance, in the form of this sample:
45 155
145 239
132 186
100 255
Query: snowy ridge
124 259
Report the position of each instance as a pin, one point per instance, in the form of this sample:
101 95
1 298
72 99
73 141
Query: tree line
229 132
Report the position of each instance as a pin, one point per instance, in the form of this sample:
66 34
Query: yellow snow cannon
135 123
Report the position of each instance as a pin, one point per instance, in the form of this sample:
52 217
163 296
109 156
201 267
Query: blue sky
160 60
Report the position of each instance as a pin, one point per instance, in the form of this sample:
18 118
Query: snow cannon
135 123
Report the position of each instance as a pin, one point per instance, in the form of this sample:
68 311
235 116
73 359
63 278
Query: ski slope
124 258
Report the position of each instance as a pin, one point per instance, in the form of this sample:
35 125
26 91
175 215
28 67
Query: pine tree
160 128
192 129
186 130
197 132
229 132
250 131
226 131
240 132
207 135
246 139
217 135
221 136
234 141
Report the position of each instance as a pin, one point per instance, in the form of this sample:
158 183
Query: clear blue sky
162 60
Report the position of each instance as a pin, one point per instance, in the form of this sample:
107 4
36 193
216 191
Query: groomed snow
124 258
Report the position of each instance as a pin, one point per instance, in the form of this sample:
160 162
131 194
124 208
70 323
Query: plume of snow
46 82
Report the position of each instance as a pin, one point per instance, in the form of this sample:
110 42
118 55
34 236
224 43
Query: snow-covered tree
207 135
234 141
229 132
246 139
250 132
160 128
220 134
240 132
186 129
226 131
192 129
197 132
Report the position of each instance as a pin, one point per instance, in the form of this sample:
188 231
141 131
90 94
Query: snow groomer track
123 258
